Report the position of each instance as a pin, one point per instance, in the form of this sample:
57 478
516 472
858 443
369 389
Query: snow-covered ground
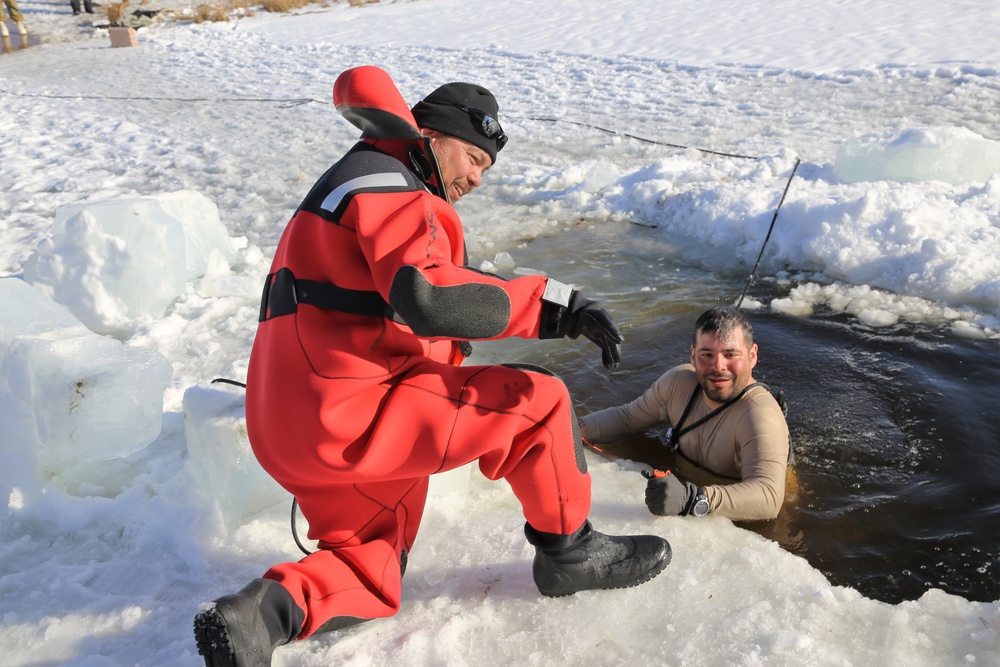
893 109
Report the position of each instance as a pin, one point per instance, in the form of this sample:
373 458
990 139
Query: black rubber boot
589 560
243 629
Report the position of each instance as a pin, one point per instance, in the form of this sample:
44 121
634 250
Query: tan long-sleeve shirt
748 441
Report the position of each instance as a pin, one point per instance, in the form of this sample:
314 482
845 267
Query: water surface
895 487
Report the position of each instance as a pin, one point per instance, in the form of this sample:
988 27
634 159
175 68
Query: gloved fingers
601 321
666 495
656 496
601 330
611 354
611 351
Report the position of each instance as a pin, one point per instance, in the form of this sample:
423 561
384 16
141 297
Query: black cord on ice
638 138
299 101
768 237
295 531
285 102
228 381
295 503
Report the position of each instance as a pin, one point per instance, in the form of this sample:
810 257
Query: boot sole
211 633
558 586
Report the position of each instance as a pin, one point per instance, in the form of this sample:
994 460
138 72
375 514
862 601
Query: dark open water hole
896 430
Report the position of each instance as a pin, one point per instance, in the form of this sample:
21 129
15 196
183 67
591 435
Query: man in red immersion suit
355 395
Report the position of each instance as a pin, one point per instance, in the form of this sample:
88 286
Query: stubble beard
723 395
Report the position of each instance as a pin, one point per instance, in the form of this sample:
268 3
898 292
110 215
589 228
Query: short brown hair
723 322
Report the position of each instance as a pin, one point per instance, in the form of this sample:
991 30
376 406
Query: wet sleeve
644 412
762 449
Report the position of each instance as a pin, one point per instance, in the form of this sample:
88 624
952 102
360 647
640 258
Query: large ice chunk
112 262
220 458
954 155
205 237
69 397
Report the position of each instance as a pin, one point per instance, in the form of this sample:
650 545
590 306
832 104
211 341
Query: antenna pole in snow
768 237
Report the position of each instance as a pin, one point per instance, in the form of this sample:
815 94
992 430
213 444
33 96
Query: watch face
701 505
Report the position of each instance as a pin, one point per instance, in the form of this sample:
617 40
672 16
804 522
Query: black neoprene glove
587 318
668 496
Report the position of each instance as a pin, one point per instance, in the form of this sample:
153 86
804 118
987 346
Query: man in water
355 393
719 418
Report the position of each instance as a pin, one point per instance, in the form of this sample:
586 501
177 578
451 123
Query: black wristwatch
701 505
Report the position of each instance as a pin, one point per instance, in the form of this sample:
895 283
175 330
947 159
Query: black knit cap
458 109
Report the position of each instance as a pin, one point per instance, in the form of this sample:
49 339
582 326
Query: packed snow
145 188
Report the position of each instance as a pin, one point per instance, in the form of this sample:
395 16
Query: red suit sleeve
414 244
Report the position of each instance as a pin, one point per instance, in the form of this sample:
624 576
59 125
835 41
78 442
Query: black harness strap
283 293
674 433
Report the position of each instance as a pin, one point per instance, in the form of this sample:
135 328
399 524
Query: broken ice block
220 457
67 395
112 262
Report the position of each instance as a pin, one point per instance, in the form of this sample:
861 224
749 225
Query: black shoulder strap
674 433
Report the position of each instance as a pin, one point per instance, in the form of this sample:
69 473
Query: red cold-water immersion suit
355 395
